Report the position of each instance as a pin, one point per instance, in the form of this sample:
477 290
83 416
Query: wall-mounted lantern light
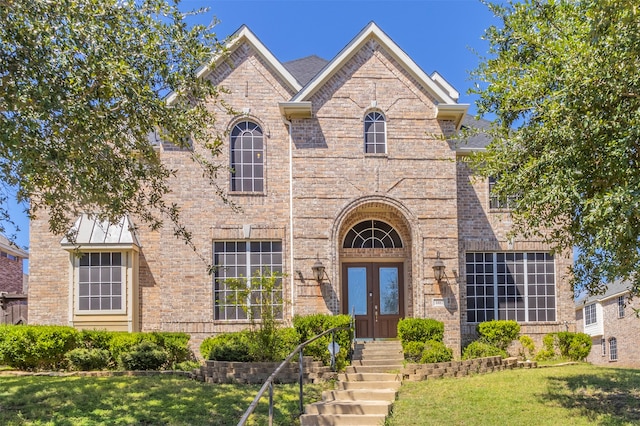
438 269
318 271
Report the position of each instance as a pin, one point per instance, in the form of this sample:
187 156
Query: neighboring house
342 170
612 324
13 282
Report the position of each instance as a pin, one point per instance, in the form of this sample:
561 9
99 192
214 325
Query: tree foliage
82 87
562 79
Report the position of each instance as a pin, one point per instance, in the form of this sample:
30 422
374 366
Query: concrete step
369 385
360 395
369 377
393 361
384 368
349 407
342 419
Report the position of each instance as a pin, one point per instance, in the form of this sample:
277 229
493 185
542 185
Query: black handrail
269 382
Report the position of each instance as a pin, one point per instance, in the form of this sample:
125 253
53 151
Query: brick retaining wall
418 372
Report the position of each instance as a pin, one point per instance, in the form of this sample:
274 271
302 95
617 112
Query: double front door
374 293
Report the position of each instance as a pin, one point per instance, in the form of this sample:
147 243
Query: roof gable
444 94
244 35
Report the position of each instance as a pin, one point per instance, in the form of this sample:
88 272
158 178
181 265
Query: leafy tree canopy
562 79
82 86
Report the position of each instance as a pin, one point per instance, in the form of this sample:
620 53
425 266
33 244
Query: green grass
568 395
149 400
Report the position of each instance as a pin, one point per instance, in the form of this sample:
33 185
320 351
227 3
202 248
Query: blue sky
443 36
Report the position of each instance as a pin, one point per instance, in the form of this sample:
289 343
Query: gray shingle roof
475 141
615 288
304 69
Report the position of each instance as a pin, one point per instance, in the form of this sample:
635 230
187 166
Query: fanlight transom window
372 234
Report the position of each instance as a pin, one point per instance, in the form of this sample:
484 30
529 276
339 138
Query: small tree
261 299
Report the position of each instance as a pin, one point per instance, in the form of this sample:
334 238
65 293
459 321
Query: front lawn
568 395
149 400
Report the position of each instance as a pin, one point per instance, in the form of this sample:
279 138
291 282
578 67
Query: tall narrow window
621 307
375 137
613 349
247 158
590 316
603 343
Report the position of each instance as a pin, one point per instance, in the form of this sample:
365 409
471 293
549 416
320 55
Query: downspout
291 277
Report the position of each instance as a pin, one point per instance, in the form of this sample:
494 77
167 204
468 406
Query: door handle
375 313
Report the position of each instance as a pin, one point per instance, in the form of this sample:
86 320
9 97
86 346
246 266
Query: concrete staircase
365 393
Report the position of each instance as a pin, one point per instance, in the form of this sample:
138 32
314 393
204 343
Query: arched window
372 234
375 133
613 349
247 158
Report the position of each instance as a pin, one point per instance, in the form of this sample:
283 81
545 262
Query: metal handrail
268 384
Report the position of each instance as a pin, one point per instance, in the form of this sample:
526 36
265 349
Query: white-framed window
613 349
621 303
101 282
247 157
510 286
496 202
375 133
242 260
603 344
590 316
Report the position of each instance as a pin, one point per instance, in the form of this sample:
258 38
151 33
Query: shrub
145 355
29 347
176 345
227 347
528 347
95 339
413 351
288 340
499 333
565 344
436 351
420 330
481 349
88 359
312 325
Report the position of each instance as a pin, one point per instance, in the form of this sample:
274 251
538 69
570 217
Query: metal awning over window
90 231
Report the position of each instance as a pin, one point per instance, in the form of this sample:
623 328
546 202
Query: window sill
88 313
246 194
376 155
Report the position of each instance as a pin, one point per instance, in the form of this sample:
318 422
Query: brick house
612 324
338 163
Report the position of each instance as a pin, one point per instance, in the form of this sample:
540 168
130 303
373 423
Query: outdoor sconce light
318 271
438 269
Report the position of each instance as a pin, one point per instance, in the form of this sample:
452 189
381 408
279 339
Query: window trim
613 349
233 179
375 114
249 267
495 286
621 307
590 314
124 284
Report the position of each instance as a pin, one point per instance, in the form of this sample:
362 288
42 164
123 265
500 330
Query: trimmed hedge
499 333
30 347
311 325
420 330
436 351
37 347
